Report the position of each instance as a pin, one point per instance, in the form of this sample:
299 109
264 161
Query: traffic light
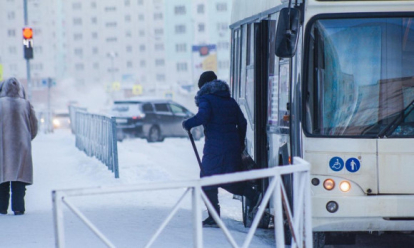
28 43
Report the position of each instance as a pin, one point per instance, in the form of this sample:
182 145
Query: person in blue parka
225 131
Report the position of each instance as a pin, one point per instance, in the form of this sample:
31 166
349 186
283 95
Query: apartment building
115 45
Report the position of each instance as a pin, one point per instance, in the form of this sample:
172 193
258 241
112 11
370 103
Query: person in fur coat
225 132
18 127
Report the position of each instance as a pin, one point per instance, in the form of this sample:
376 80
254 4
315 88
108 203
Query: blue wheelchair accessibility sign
336 163
352 165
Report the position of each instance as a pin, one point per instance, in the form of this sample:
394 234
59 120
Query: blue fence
96 136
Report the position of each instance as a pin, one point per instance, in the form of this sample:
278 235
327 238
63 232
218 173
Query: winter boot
210 222
254 197
212 195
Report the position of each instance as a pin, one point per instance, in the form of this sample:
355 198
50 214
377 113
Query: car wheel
120 136
154 135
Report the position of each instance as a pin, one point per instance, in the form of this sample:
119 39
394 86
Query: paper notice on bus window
273 100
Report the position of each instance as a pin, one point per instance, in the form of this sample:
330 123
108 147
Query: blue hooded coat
224 128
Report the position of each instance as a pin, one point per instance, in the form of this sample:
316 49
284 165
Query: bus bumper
364 213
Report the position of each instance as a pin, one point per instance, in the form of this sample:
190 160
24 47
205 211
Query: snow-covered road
128 219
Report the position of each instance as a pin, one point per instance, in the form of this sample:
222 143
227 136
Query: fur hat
206 77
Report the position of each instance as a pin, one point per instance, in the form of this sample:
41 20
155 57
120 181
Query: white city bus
332 82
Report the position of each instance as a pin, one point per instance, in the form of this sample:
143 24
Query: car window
161 107
126 109
147 108
177 109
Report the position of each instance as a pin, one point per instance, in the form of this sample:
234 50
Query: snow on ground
127 219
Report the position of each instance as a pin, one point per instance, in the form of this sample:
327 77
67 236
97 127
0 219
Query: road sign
353 165
336 163
116 86
137 89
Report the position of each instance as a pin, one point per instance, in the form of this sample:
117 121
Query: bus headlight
344 186
329 184
332 207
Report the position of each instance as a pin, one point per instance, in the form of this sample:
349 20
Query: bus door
252 92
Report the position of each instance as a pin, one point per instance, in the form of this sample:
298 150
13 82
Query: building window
200 9
110 9
111 39
140 2
158 16
221 7
179 10
127 18
129 64
180 29
111 24
94 35
128 33
77 6
96 65
201 27
77 21
93 5
94 20
77 36
142 63
181 47
182 66
158 31
78 51
11 15
142 33
142 48
13 67
127 2
223 45
95 50
12 50
159 62
159 47
37 49
11 32
141 17
129 48
36 66
224 64
160 77
37 31
79 67
222 26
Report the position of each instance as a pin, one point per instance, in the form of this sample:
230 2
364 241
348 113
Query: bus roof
244 10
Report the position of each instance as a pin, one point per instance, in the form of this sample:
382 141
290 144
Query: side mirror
287 32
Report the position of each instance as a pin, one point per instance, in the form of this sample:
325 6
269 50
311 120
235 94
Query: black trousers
241 188
18 191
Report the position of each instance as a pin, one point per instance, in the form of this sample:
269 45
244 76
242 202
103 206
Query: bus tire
319 239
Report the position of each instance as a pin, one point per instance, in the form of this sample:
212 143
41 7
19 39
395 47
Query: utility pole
29 83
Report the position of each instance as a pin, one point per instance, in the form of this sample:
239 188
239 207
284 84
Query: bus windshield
360 77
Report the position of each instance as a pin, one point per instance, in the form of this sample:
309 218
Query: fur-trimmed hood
12 88
216 87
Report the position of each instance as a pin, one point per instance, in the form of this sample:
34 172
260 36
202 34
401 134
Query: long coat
18 126
224 128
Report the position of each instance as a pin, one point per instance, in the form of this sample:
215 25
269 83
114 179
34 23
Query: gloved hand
184 127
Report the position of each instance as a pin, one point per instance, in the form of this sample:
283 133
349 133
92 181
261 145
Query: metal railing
299 223
72 116
96 136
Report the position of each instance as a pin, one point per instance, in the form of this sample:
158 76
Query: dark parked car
153 120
